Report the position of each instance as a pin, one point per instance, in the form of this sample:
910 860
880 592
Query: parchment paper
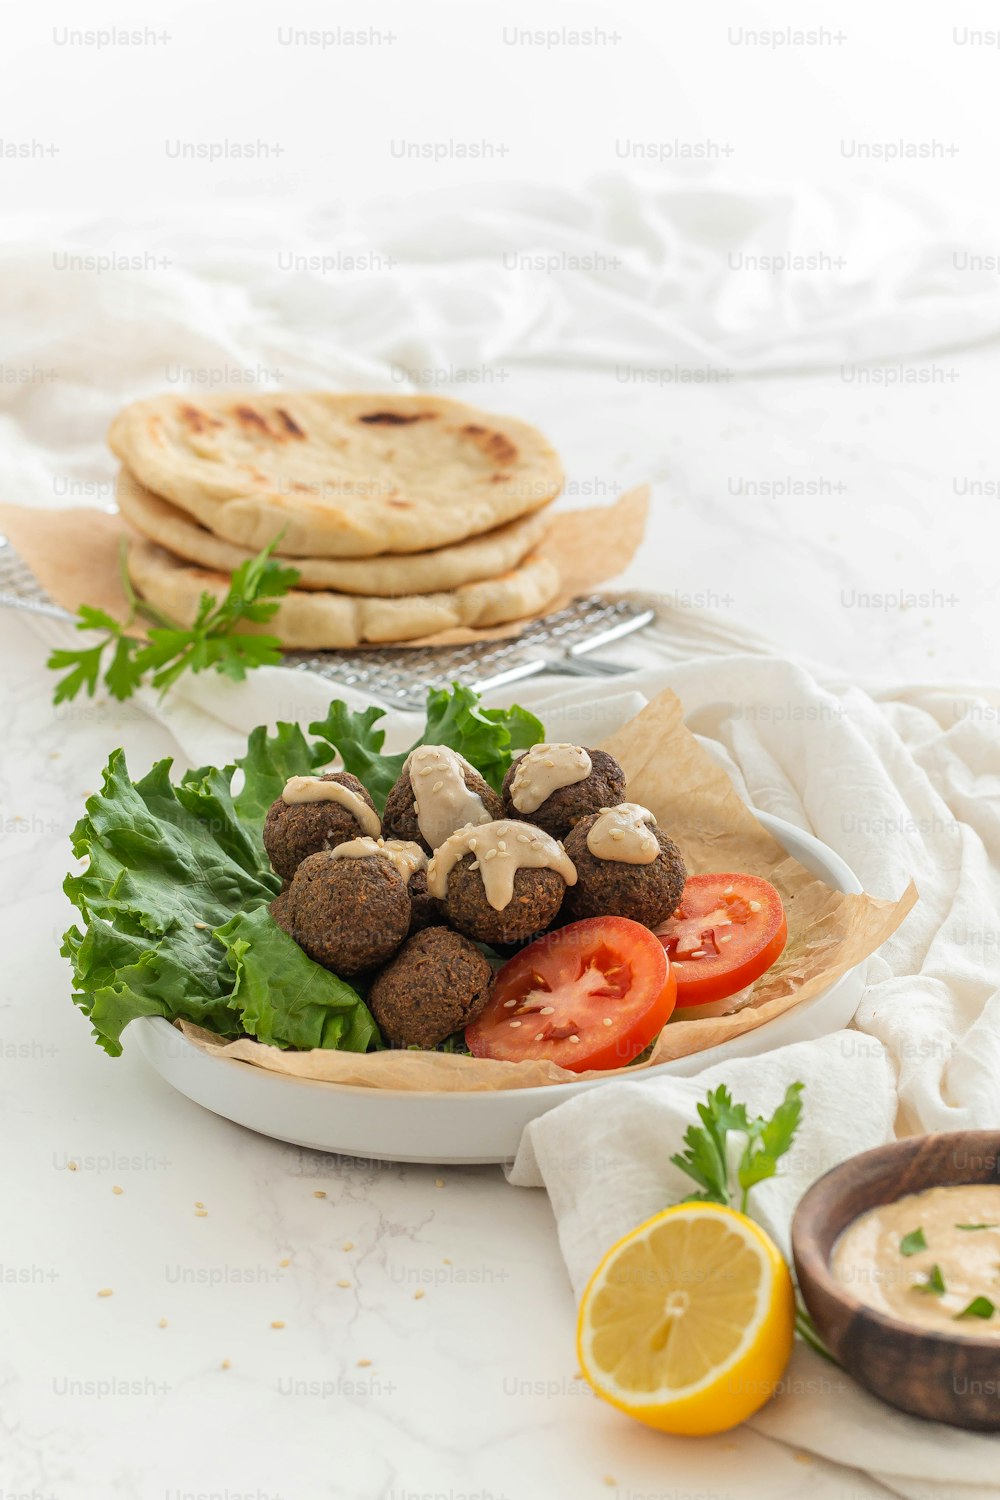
74 554
696 804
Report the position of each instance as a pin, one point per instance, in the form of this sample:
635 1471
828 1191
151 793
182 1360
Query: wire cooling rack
400 675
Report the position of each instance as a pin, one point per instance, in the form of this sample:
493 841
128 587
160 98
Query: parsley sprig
705 1159
168 650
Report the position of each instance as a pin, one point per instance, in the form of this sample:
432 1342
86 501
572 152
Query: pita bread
329 621
416 573
339 476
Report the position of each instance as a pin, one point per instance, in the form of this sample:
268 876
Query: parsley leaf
912 1242
934 1285
706 1160
979 1307
977 1226
213 640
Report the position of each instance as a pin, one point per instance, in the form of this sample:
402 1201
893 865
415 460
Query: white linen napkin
606 1166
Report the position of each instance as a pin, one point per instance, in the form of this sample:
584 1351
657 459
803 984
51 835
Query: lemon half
687 1324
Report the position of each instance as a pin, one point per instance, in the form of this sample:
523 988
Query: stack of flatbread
405 516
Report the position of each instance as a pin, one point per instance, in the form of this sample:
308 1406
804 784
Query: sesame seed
285 1262
726 937
698 953
509 1004
473 843
105 1292
501 844
617 834
515 1023
418 1294
277 1323
197 1204
547 1010
364 1363
201 926
502 828
540 1037
754 905
348 1245
437 786
72 1166
574 1038
523 838
474 865
225 1365
490 854
201 1213
162 1323
439 1182
117 1191
319 1193
608 1021
344 1283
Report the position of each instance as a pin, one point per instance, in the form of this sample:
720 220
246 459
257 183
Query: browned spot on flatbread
497 447
198 421
395 418
499 478
289 423
248 417
401 504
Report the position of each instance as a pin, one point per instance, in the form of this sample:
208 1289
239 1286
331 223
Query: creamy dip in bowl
897 1256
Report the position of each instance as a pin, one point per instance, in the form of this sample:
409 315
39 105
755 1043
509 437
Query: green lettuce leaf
487 737
168 866
360 745
309 1008
270 760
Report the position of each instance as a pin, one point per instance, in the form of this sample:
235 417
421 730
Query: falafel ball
563 809
534 906
348 914
294 830
610 888
279 911
425 911
399 820
437 983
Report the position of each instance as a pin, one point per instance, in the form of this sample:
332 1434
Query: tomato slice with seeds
727 932
592 994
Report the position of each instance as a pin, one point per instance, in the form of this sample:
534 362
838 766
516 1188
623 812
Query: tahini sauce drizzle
542 770
405 855
500 849
315 789
622 833
441 799
867 1259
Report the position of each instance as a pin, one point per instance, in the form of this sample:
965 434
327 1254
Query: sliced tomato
592 994
727 931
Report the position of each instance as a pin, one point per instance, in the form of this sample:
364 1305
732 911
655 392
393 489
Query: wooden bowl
926 1373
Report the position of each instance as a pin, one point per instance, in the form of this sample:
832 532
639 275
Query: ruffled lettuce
174 898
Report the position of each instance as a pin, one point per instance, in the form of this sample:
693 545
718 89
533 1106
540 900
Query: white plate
452 1129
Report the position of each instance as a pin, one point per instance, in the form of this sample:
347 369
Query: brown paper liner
694 801
74 554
